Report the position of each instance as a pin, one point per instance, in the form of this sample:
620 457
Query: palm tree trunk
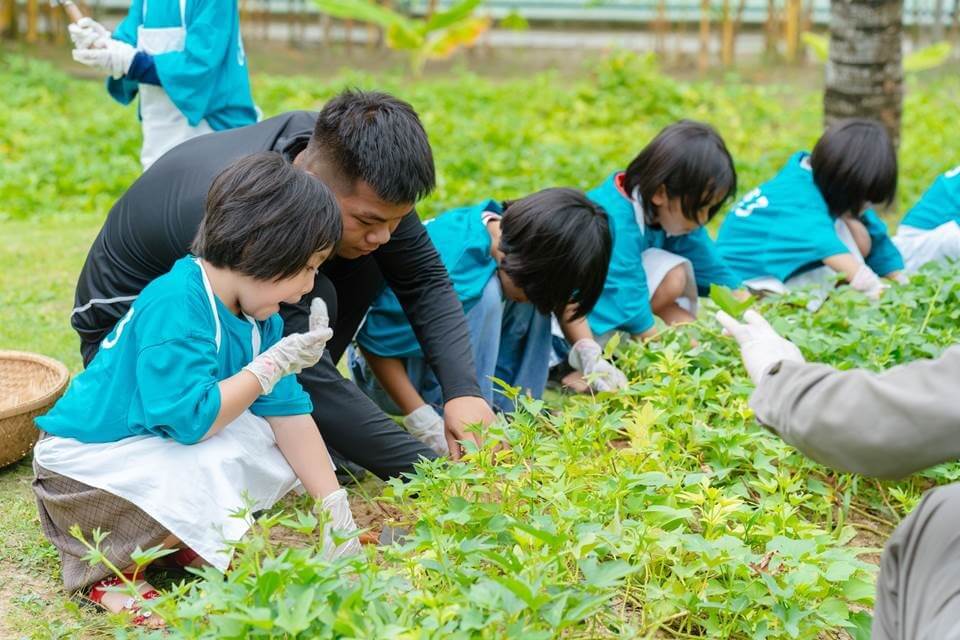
939 21
864 75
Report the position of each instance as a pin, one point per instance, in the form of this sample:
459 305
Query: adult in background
184 58
886 425
373 153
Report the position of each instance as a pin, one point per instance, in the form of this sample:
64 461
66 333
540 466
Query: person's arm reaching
886 425
419 418
586 356
413 269
303 447
860 276
392 375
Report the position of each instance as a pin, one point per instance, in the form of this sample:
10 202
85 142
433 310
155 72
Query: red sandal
181 559
98 589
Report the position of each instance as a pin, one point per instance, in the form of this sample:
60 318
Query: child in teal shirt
930 231
663 258
813 219
513 265
188 409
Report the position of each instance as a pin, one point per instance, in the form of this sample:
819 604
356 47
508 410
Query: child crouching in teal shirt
930 232
513 266
814 220
189 410
663 258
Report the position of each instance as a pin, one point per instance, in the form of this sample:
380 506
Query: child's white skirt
920 246
192 490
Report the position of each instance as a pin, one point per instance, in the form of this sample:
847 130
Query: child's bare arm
301 444
237 393
392 375
844 263
574 330
861 236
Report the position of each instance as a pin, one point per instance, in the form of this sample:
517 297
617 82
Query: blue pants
511 341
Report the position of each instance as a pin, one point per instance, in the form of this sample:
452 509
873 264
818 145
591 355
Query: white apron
920 246
164 126
189 489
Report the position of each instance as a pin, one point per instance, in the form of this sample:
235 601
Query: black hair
376 138
854 163
265 218
556 245
691 160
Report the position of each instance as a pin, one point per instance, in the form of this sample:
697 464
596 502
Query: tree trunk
939 26
791 29
703 60
772 31
864 75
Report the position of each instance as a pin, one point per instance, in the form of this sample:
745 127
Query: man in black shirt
372 151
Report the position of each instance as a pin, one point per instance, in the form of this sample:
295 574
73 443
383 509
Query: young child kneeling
513 264
930 231
189 409
663 258
813 219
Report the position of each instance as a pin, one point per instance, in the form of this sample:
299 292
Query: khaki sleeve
886 425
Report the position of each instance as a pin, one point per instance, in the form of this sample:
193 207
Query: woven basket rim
51 363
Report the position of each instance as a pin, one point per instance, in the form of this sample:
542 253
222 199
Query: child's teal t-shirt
209 78
784 228
157 372
939 205
463 242
624 303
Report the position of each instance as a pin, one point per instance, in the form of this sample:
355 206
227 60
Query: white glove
87 33
868 282
115 57
341 520
586 356
319 316
426 425
760 346
293 353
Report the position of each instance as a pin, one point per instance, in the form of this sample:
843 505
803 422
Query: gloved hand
586 356
341 520
426 425
319 316
868 282
293 353
760 346
87 33
115 57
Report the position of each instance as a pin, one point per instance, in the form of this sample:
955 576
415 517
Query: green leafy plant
723 297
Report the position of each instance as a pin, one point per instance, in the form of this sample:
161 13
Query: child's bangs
710 180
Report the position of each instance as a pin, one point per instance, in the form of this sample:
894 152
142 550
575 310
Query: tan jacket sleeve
886 425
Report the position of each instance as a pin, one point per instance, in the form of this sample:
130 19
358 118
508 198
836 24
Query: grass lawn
39 263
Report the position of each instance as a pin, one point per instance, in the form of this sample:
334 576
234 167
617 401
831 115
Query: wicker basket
29 385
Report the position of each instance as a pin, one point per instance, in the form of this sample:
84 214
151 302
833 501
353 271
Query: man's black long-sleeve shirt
154 222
